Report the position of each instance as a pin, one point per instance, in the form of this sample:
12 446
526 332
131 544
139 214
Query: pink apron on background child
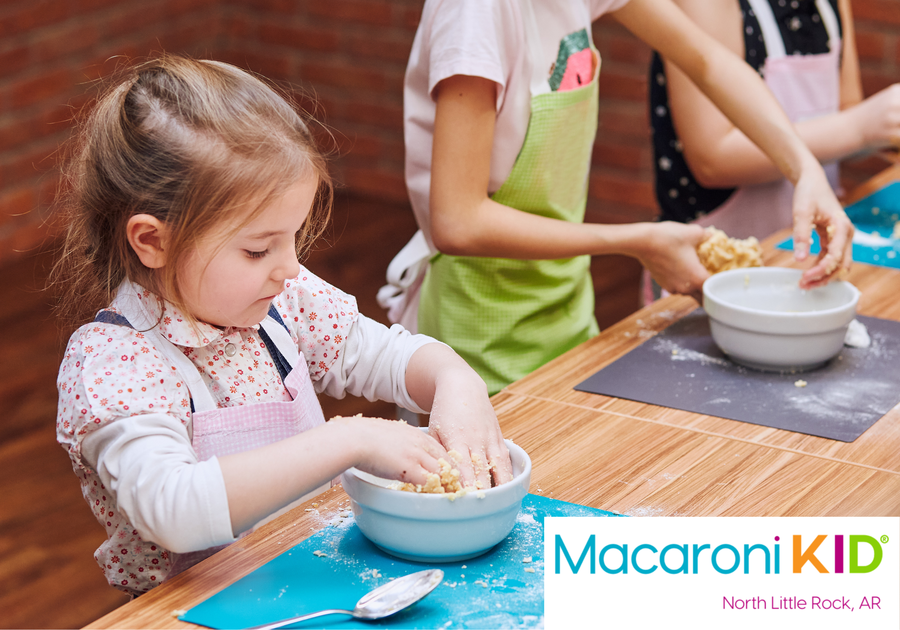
214 432
806 86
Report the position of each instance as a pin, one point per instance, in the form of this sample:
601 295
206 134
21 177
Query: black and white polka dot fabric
679 195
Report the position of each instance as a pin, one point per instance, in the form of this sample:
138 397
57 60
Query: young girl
188 406
501 111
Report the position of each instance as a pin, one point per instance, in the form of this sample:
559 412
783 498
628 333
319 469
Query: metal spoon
385 600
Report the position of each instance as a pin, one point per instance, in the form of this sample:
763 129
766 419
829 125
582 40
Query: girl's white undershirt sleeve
172 499
373 364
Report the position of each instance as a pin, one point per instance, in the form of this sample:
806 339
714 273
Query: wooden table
622 456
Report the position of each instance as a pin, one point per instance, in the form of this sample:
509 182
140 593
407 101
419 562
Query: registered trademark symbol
884 539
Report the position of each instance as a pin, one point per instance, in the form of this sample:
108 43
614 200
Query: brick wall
349 54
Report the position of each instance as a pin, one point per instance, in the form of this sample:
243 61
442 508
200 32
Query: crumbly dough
720 253
447 482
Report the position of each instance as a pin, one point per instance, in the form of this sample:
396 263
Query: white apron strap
769 27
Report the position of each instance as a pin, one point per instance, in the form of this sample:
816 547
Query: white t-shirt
489 39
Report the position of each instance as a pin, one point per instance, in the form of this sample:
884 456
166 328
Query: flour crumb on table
529 569
320 554
526 559
721 253
800 383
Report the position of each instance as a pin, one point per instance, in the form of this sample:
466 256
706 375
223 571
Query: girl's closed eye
255 254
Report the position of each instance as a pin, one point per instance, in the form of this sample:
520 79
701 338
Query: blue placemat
495 590
874 218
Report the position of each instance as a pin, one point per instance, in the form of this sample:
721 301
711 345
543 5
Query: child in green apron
501 106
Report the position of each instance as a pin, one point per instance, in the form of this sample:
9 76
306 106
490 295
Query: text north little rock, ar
871 602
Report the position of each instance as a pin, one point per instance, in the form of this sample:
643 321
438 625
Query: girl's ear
147 236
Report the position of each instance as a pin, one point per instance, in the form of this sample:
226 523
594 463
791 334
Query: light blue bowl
432 527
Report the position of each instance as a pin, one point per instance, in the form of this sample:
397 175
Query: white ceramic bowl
431 527
760 318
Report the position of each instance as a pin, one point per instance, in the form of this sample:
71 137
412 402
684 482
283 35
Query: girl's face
233 283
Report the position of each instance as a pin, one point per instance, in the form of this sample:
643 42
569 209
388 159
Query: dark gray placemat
682 368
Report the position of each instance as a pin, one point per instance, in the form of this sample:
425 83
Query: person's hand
670 254
464 421
394 450
878 119
816 207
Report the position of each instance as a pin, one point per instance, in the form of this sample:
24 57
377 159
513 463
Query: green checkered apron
508 317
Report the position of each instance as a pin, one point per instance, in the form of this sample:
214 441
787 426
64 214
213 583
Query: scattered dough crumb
480 583
800 383
526 559
320 554
529 569
375 573
674 351
178 613
720 253
480 494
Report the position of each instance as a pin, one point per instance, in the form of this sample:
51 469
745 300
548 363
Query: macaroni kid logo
723 559
742 572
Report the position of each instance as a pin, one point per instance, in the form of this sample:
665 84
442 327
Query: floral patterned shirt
117 388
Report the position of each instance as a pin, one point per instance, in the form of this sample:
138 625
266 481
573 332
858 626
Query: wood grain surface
627 457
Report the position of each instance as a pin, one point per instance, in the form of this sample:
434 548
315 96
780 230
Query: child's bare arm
465 221
738 91
263 480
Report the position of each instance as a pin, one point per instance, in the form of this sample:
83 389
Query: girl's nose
288 267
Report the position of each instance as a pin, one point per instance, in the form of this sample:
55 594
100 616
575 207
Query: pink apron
223 431
806 86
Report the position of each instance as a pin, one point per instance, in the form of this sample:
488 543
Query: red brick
274 6
13 60
271 66
390 48
16 203
375 112
80 7
299 37
870 45
625 49
410 18
132 18
622 189
49 85
874 82
178 8
627 86
239 26
880 11
31 15
376 183
632 124
65 41
14 132
29 237
618 155
341 74
31 165
362 146
365 11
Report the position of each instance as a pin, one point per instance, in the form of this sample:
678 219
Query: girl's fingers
500 464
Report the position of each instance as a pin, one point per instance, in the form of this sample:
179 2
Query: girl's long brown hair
189 142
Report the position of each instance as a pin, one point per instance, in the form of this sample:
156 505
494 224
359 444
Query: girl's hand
815 206
393 450
462 417
670 254
464 421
